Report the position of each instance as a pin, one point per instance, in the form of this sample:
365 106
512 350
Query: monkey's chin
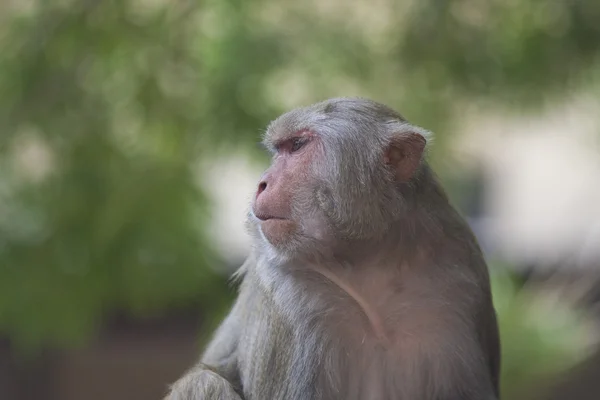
278 231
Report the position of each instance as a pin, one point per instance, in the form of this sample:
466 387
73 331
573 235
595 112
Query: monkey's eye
297 144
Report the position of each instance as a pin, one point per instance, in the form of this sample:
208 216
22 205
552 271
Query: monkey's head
340 174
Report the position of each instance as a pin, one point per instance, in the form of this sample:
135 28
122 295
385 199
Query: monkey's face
285 207
336 177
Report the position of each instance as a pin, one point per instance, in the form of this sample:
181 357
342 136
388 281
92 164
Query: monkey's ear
403 155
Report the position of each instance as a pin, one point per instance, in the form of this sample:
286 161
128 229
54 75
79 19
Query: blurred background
128 155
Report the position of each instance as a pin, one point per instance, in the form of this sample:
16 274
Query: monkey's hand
203 384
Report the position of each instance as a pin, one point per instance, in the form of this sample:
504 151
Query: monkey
363 281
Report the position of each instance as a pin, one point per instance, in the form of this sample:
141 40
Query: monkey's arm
217 375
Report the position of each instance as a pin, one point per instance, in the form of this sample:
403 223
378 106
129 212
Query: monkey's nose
261 188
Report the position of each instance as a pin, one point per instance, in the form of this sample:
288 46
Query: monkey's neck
427 226
373 316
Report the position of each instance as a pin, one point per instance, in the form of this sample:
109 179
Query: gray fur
294 334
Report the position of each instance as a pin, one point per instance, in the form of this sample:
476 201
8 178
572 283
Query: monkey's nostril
261 188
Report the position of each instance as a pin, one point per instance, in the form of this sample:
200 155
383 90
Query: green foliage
541 337
106 214
514 51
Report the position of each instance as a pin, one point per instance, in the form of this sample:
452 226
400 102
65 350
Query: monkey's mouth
268 217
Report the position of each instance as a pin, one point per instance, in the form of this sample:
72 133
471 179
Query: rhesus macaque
364 283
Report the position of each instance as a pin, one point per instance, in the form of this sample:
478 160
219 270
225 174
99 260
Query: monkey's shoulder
359 308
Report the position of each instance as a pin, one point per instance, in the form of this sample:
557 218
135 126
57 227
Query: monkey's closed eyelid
297 144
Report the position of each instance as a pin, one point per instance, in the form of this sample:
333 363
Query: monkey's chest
323 356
